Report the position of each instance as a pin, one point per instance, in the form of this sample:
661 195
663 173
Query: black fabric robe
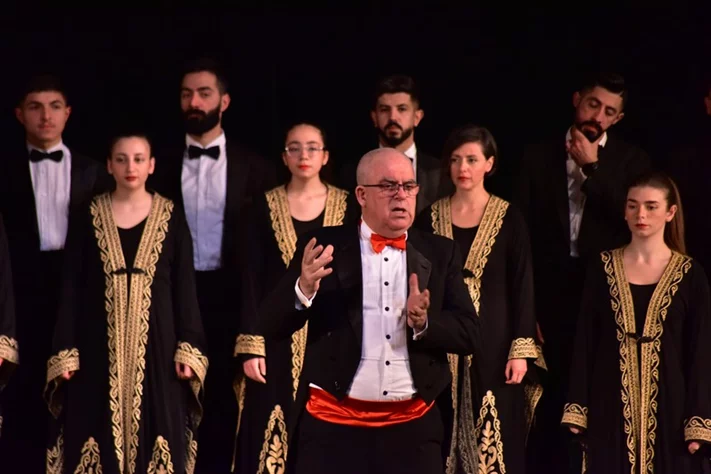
641 394
267 407
492 418
125 411
9 349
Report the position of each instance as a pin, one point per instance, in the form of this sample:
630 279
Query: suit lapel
349 269
237 173
559 186
22 188
417 263
76 185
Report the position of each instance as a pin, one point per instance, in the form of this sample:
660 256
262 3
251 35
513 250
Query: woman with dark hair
495 396
271 368
125 381
640 387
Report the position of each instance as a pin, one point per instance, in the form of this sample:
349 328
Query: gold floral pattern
639 388
127 317
250 344
488 435
574 414
697 429
55 456
90 461
161 462
191 449
272 459
283 227
9 349
523 348
66 360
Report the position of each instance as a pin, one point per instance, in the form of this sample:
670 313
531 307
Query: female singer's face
131 163
647 211
304 154
468 166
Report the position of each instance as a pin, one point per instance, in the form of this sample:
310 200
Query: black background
512 68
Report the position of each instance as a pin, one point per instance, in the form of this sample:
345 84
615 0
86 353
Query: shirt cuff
419 335
302 302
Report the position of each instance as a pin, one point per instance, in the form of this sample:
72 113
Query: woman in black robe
9 349
271 368
125 382
494 397
640 388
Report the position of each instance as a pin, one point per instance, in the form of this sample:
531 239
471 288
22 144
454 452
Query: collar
410 152
366 231
58 146
219 141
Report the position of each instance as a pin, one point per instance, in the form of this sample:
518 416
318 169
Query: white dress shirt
576 198
204 186
51 184
384 371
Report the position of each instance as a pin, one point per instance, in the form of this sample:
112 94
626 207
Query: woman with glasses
494 396
271 368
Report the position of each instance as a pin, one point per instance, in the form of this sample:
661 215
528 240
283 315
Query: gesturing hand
313 267
580 148
184 371
256 369
417 305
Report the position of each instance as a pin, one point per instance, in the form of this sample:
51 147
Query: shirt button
387 308
387 336
387 362
386 283
386 259
385 392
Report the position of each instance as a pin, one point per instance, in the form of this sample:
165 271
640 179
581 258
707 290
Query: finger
322 273
313 254
187 371
325 258
574 430
262 364
693 447
426 299
66 375
310 246
414 285
0 361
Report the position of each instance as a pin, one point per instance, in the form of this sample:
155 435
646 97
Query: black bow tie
36 156
196 152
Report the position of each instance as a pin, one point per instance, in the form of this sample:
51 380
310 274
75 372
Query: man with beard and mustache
572 193
396 113
214 180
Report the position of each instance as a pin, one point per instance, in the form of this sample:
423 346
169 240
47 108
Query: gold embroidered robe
262 444
640 385
128 313
9 348
491 418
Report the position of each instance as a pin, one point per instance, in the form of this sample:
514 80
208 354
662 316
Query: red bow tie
379 242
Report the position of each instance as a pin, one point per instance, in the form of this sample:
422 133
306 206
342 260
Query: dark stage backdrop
510 68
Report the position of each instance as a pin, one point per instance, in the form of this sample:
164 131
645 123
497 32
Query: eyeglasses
391 188
295 150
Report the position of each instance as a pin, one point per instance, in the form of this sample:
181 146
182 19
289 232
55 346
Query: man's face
596 111
388 214
44 116
395 116
201 102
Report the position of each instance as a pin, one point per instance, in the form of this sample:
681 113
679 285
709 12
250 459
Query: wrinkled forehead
392 167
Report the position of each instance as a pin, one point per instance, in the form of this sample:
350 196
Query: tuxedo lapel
21 187
417 264
237 174
77 180
349 269
559 187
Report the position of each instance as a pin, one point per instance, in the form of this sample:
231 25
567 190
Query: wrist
589 169
307 290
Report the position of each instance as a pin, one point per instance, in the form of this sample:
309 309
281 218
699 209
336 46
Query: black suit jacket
248 175
334 341
17 205
429 176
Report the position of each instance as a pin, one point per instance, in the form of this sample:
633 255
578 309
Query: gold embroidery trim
574 414
488 435
523 348
55 456
191 356
161 462
9 349
250 344
286 238
90 462
697 429
66 360
127 317
274 449
191 449
639 387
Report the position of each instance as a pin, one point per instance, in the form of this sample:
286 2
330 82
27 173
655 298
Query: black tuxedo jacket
17 205
335 331
429 176
248 175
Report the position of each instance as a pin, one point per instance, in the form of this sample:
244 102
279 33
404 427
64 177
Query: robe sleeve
520 276
9 349
697 423
65 350
192 346
575 410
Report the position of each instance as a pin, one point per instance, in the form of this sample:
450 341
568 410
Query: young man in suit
40 185
572 191
396 113
385 304
214 179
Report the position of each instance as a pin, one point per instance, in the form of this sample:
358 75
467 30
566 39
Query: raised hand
313 267
256 369
581 150
417 305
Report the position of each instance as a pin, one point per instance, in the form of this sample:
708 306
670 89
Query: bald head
376 159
